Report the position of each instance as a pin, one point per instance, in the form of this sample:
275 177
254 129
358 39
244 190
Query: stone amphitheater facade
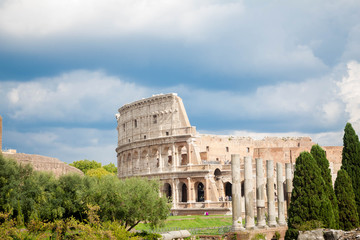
156 140
38 162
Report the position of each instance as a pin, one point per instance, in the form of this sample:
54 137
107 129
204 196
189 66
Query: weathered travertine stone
280 191
43 163
270 192
249 194
260 193
288 175
236 193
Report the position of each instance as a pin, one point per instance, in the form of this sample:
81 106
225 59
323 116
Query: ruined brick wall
42 163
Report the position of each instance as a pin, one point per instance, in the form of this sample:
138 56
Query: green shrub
259 236
292 234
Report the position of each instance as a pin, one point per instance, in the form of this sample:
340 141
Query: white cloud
311 102
350 93
93 97
77 96
233 38
39 18
66 144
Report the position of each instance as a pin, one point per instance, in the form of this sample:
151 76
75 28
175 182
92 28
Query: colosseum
156 140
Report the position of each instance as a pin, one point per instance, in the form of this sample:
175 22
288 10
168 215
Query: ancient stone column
190 191
161 163
260 193
174 193
280 191
249 194
270 192
236 193
288 175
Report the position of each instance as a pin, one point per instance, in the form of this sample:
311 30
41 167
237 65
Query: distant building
39 163
156 140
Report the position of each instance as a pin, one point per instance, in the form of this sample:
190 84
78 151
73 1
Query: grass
188 222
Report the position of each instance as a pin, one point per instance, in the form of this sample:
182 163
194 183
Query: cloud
350 93
310 105
77 96
66 144
240 42
71 116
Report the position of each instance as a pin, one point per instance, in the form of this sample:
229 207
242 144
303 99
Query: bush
292 234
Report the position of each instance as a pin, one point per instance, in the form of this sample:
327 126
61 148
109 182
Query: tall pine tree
348 216
309 204
351 160
320 156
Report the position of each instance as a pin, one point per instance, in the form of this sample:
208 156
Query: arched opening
243 188
228 189
128 163
184 155
144 159
167 190
136 161
217 174
200 193
183 193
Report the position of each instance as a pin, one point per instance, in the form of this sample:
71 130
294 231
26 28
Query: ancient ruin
156 140
38 162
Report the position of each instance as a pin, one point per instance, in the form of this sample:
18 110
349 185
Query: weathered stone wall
42 163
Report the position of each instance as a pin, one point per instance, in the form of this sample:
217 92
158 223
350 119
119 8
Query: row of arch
152 159
199 191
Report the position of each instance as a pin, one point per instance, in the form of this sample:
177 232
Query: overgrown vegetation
28 197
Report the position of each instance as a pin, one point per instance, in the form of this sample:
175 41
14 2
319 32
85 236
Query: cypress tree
320 156
351 160
310 205
348 216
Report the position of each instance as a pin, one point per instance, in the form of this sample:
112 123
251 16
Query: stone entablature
156 140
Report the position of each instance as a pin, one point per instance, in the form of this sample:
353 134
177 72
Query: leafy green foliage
35 196
309 201
348 214
320 156
291 234
110 168
85 165
351 160
98 172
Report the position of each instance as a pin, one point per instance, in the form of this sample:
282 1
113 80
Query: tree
12 177
348 215
310 205
111 168
130 201
85 165
98 172
320 156
351 160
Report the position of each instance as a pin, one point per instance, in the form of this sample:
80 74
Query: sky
244 68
